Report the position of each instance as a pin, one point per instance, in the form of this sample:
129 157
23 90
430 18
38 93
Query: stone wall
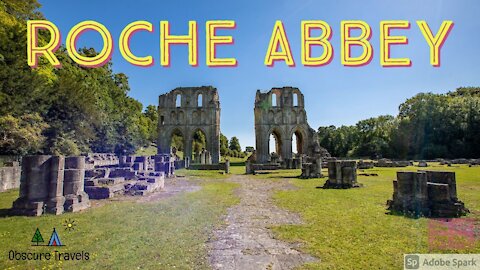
134 175
93 160
390 164
280 112
224 166
252 168
199 109
10 176
51 184
426 193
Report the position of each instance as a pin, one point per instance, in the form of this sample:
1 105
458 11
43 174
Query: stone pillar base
55 205
27 208
75 203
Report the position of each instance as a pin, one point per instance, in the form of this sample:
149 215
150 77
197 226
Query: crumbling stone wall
426 193
133 175
342 174
189 117
311 167
51 184
284 119
10 176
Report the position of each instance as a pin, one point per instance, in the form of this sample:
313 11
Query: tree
235 144
223 145
37 237
151 115
21 135
199 142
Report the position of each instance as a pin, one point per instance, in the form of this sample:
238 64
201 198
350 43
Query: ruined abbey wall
186 110
281 112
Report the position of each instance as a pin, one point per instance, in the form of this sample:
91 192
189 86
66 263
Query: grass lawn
165 234
348 229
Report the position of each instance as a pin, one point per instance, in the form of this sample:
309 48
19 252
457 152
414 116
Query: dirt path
173 187
246 242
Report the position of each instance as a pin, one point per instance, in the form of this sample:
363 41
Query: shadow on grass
237 163
5 213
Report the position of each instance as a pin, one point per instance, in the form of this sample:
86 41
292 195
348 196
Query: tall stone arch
207 118
283 117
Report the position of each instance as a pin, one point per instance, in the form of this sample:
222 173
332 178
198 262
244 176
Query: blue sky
334 94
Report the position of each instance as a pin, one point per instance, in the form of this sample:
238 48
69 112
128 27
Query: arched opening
200 100
295 99
199 146
177 143
274 100
178 101
275 144
297 142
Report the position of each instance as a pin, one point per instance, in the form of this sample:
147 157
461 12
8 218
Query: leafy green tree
235 144
199 142
21 135
151 113
223 145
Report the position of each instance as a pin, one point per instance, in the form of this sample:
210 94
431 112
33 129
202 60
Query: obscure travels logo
50 254
54 239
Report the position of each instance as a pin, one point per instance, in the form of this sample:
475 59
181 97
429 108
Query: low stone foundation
225 166
386 163
342 174
252 168
426 193
134 175
363 165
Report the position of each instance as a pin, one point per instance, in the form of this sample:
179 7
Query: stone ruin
364 165
422 164
51 184
186 110
203 157
10 176
133 175
426 193
311 168
386 163
252 167
342 174
280 112
469 162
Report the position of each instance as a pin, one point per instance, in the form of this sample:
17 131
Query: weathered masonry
185 111
280 112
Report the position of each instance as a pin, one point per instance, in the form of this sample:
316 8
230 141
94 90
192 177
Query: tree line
69 110
428 126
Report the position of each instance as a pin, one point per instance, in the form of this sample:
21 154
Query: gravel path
246 242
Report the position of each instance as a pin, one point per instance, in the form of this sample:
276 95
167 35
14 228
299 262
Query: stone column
287 148
338 172
56 199
187 162
319 166
227 166
187 147
33 186
75 197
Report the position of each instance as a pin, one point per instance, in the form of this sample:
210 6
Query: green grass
147 151
166 234
348 229
202 174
